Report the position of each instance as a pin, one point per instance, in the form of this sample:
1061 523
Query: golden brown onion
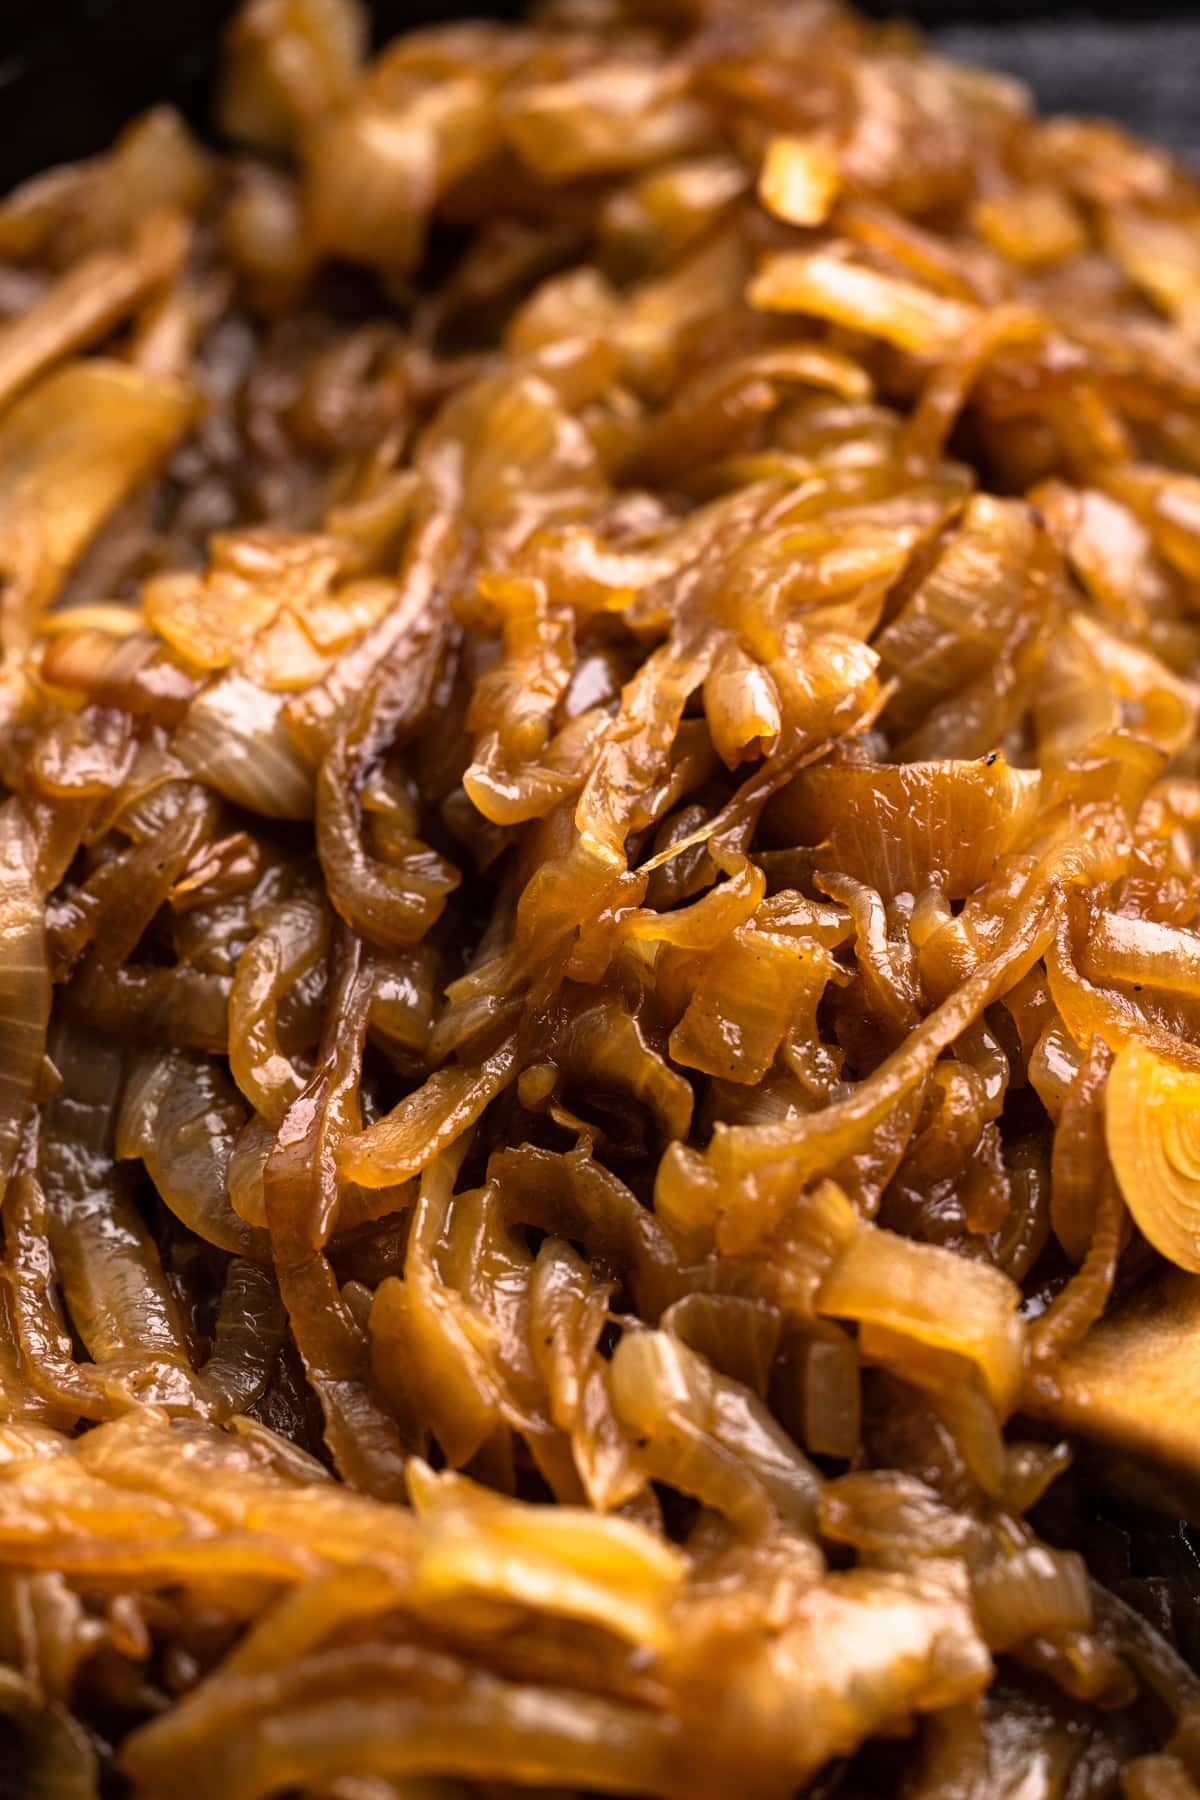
600 896
907 827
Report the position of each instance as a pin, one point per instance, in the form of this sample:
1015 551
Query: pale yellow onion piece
1075 702
292 939
371 180
930 1294
956 1392
413 1712
854 1654
561 1560
30 1443
661 310
815 1142
235 738
1035 1590
708 1435
672 206
154 177
1167 503
86 302
1109 549
181 1116
825 284
212 616
799 179
1088 1010
306 1616
1152 1122
263 232
244 1175
738 1335
71 449
707 921
1053 1064
605 1046
832 1399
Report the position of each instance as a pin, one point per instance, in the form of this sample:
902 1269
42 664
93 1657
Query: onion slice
1152 1124
935 1297
182 1117
71 449
24 979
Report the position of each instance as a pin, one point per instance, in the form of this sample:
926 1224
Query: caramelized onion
479 1547
600 902
291 943
1034 1591
1149 1124
908 827
906 1288
180 1116
799 179
830 286
71 449
233 736
24 978
707 1435
425 1124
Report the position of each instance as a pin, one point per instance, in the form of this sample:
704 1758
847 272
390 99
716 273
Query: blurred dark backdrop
71 71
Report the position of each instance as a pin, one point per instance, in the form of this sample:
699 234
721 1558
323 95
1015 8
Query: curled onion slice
182 1117
565 1560
1034 1591
829 286
933 1296
409 1138
1152 1124
709 1435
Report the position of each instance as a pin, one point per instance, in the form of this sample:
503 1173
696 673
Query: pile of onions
599 926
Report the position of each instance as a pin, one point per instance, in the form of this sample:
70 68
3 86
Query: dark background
71 71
